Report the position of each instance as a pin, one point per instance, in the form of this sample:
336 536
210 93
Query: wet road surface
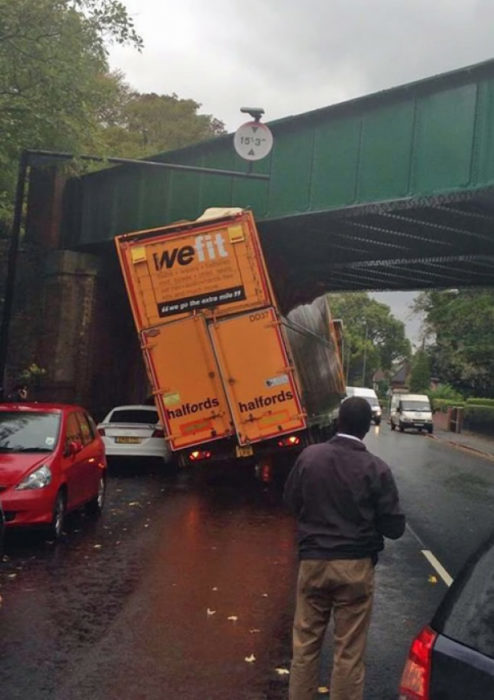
185 577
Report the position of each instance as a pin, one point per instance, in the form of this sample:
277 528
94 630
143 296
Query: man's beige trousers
343 587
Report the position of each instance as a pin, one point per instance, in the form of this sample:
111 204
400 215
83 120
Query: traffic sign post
253 141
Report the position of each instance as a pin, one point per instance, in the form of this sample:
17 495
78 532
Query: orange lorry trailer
231 377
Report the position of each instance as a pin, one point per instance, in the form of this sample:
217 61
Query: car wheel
95 506
401 428
377 421
55 528
430 429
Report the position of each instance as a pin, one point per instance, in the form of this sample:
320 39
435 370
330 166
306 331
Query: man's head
354 417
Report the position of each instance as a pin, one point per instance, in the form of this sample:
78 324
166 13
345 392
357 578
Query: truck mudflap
258 376
191 401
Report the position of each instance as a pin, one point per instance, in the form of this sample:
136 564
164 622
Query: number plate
128 440
242 451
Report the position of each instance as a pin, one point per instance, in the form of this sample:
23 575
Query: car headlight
37 479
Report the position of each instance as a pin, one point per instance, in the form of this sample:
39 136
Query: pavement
483 445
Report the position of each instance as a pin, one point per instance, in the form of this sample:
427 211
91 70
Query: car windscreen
415 406
21 431
467 613
134 415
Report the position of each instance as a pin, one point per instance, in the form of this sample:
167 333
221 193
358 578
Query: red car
52 461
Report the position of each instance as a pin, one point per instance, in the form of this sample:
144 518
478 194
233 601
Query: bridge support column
65 348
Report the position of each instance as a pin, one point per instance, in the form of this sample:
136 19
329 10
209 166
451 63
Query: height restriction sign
253 141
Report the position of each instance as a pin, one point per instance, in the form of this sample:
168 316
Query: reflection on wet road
180 582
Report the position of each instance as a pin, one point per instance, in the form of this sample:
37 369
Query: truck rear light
158 433
101 431
197 455
415 679
290 441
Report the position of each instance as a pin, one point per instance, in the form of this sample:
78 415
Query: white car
134 431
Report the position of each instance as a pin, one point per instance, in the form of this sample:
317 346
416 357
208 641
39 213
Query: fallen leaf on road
5 558
264 595
1 601
12 576
254 630
211 612
215 588
134 503
250 659
322 690
282 671
233 618
432 579
97 546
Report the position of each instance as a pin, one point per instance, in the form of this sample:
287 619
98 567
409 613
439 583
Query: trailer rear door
191 400
259 380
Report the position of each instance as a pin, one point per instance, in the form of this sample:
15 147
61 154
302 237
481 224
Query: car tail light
158 432
101 431
199 454
416 674
290 441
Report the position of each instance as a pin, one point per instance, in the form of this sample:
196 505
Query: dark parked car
453 658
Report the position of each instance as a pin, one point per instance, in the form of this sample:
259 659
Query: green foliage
460 327
143 124
443 404
421 372
52 59
370 332
445 391
480 402
479 418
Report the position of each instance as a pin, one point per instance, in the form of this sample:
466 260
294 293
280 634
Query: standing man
345 500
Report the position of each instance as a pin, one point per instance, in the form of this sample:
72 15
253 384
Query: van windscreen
415 406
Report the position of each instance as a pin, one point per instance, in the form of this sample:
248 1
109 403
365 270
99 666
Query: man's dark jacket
345 500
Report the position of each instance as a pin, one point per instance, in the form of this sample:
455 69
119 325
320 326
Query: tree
459 331
52 59
420 377
143 124
373 338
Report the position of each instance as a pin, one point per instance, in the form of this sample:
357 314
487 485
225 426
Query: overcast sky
289 56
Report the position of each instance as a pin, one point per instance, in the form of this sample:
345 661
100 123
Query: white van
410 411
371 397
